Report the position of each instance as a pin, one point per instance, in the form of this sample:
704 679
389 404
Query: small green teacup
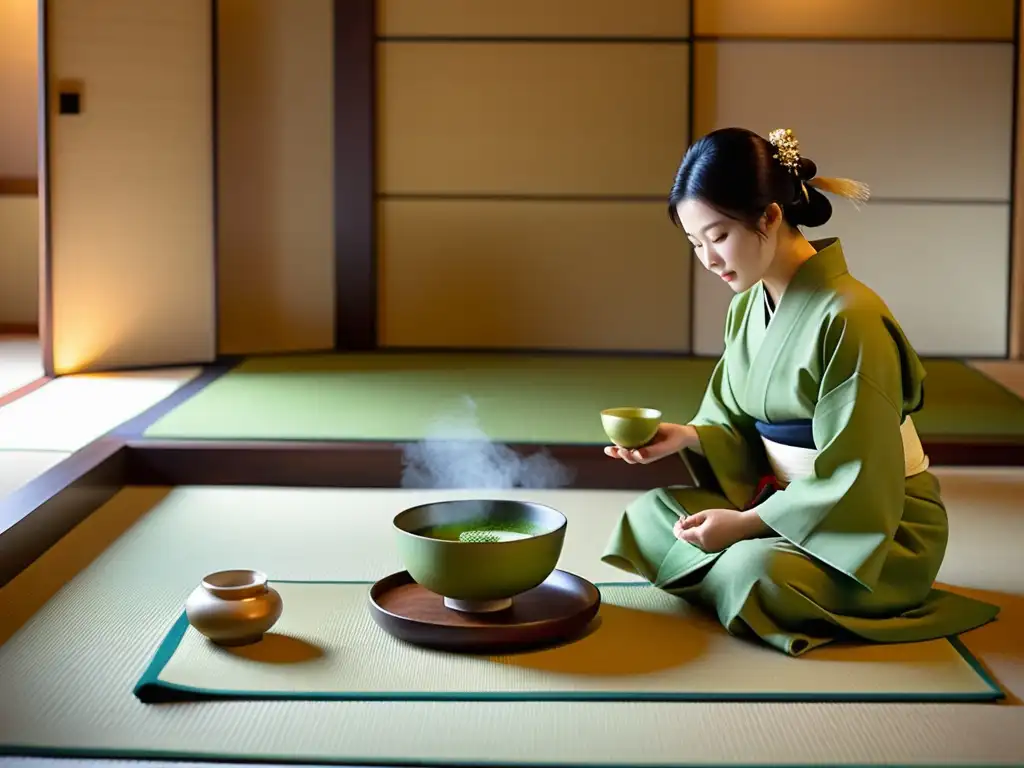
630 427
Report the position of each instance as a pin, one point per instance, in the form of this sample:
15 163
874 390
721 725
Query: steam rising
458 454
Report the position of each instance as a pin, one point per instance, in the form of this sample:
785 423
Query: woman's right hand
669 439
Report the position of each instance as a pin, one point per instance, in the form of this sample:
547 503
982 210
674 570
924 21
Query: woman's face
726 247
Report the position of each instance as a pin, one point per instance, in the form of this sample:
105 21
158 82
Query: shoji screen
130 183
525 151
19 206
914 98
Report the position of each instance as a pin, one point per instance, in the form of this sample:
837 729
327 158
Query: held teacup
630 427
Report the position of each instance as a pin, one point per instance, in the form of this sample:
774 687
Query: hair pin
787 152
787 149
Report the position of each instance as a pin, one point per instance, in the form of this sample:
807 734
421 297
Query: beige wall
19 61
275 273
865 19
906 119
131 184
19 217
490 157
895 98
275 166
19 260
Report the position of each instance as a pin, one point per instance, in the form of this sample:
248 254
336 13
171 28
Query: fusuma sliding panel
275 152
928 126
1016 331
131 182
19 109
19 259
533 18
941 268
911 120
931 19
522 118
531 274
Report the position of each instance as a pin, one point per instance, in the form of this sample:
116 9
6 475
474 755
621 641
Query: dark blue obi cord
796 434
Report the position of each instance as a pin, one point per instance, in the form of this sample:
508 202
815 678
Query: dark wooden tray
558 610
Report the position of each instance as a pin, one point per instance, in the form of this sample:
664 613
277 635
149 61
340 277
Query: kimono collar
824 266
817 272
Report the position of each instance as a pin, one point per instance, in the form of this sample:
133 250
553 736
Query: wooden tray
558 610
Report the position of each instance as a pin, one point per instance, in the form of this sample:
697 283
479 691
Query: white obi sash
791 462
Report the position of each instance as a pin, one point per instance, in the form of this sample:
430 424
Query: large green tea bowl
478 554
630 427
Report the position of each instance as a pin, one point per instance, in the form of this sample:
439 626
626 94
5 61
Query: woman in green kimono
814 516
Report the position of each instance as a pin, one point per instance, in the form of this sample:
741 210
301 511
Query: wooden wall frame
1015 280
355 162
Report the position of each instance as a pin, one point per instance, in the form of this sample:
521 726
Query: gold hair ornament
854 191
787 149
787 152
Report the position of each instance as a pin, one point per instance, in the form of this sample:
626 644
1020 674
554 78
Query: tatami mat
646 646
1009 373
68 681
20 467
21 362
70 412
507 397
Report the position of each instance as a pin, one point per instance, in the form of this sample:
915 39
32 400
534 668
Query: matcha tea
480 531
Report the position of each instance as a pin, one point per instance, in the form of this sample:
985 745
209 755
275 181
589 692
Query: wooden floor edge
36 516
360 465
22 391
942 450
136 426
974 451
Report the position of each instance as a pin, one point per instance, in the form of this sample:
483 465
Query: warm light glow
131 189
72 411
992 19
19 32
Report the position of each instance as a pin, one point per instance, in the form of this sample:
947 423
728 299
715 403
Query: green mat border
151 690
99 753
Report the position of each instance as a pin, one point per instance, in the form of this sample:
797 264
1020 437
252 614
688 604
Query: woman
815 517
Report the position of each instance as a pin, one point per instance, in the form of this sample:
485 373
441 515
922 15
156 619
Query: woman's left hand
716 529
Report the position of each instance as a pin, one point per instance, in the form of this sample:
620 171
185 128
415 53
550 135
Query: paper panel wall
532 274
906 119
878 19
533 18
275 186
131 183
470 118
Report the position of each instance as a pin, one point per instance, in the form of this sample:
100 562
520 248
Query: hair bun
809 207
806 170
812 210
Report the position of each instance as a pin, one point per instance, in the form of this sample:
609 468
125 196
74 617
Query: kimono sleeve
725 432
846 513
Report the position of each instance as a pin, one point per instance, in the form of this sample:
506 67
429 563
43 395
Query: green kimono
856 544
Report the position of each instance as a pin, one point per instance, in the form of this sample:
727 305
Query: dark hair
733 170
